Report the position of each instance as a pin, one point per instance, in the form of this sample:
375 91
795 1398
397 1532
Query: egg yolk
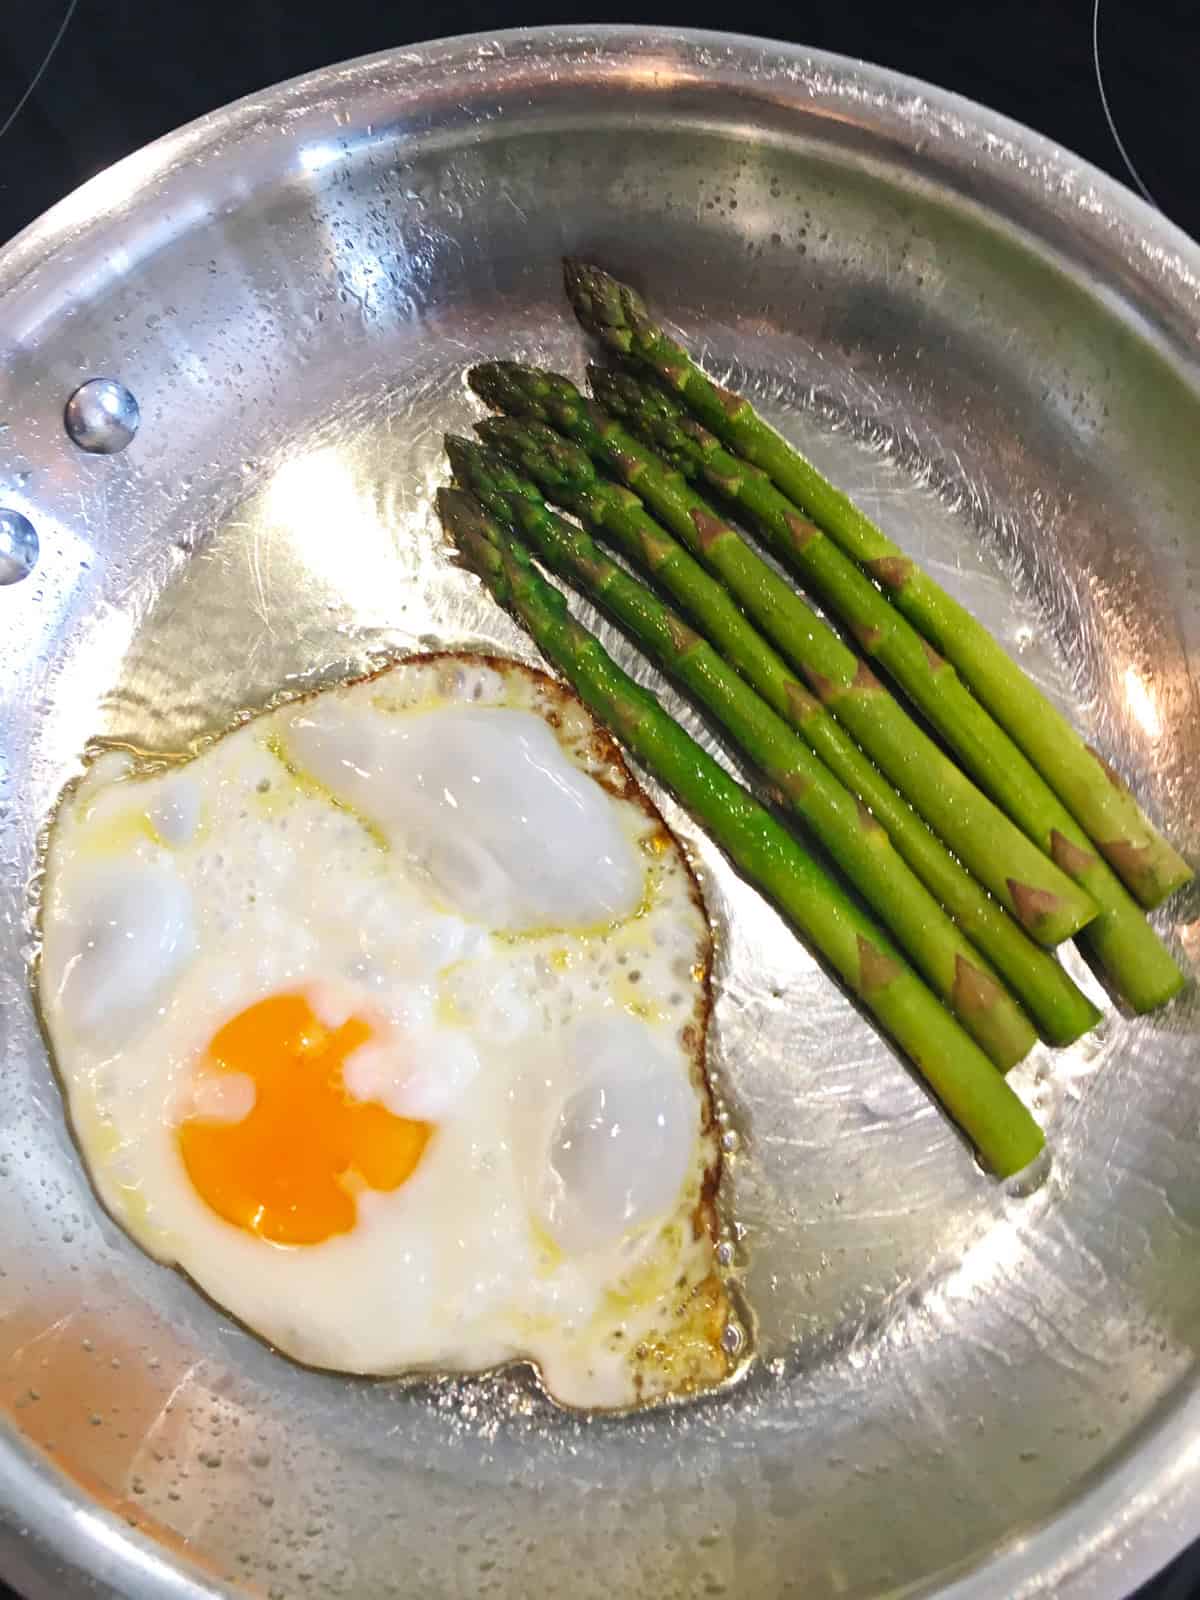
289 1170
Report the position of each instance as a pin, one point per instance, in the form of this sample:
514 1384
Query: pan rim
1122 1528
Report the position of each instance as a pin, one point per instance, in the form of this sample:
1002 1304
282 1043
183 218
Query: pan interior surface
990 348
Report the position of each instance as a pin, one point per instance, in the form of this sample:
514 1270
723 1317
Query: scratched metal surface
958 1390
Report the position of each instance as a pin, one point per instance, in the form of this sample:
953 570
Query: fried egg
383 1017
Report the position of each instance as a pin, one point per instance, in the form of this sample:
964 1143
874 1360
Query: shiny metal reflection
102 416
18 547
962 1390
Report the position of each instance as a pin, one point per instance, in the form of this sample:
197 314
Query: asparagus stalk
1137 963
798 780
964 1080
1061 1011
1042 897
1084 781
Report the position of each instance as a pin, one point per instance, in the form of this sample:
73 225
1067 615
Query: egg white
454 847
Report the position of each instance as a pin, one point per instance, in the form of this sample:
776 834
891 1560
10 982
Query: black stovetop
126 72
123 73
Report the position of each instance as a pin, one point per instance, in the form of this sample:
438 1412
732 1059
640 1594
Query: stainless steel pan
959 1390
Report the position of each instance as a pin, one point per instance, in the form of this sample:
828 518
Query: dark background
126 72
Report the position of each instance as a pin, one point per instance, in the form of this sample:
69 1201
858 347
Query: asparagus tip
496 431
458 451
536 447
460 512
605 306
486 379
603 382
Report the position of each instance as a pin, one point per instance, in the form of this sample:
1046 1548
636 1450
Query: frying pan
959 1389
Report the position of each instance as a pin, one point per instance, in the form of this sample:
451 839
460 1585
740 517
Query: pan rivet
102 416
18 547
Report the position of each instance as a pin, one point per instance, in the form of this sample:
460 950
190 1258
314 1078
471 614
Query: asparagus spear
1135 959
1090 788
1043 898
974 1094
1061 1011
852 835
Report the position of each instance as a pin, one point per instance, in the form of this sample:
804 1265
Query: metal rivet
102 416
18 547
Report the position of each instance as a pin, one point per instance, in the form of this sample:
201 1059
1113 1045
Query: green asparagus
1061 1011
974 1094
1134 958
1091 790
1034 888
853 836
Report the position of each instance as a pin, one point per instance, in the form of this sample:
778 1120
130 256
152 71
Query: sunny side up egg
384 1018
